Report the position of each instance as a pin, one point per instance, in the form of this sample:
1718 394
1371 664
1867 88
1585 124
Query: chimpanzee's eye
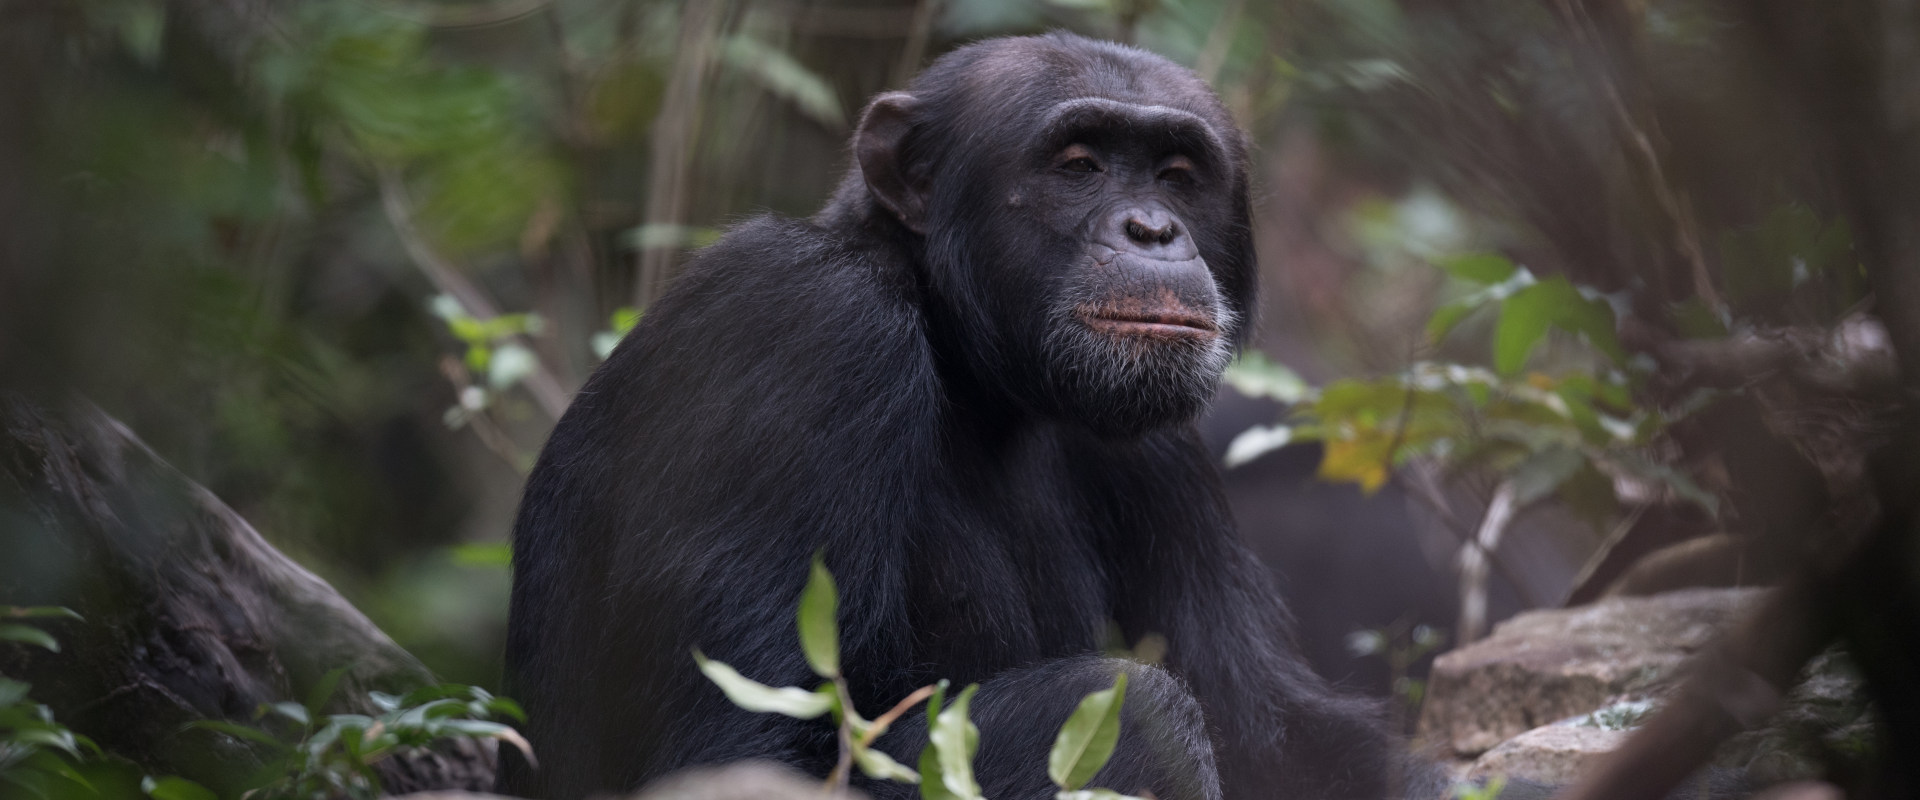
1081 164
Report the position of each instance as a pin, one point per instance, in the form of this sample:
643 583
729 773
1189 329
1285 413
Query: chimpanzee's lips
1166 322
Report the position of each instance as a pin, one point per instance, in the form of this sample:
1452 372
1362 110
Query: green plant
945 767
331 756
1402 647
37 754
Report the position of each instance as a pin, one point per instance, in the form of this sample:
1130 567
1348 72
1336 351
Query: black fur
991 481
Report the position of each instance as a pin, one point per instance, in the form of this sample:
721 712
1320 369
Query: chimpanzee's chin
1123 386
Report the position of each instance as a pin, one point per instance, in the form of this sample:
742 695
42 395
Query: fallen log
188 613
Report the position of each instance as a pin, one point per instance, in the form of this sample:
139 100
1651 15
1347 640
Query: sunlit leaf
1087 739
1257 441
819 626
753 696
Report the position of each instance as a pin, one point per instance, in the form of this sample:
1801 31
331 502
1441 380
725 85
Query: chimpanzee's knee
1163 746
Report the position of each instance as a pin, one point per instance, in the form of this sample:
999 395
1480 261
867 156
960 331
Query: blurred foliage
1084 744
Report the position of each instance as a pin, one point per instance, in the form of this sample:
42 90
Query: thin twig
1426 490
1473 563
446 278
880 725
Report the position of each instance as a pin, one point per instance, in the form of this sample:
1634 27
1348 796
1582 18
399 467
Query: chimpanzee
970 380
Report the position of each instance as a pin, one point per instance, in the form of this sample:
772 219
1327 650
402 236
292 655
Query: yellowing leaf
1361 461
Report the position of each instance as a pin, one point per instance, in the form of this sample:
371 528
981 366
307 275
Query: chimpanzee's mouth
1171 322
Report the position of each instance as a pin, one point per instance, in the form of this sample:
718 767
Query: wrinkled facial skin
1120 311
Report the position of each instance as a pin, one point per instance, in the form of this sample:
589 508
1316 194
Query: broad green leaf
1086 741
1552 303
932 785
819 626
1481 268
1446 318
752 696
1543 473
881 766
171 788
955 739
323 690
27 634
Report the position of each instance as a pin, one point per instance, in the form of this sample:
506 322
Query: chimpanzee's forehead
1016 80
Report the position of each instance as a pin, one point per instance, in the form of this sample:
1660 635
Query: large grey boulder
1549 665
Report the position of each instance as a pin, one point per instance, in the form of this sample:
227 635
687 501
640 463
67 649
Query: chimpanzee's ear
877 145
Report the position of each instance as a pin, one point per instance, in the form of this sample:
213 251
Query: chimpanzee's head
1078 210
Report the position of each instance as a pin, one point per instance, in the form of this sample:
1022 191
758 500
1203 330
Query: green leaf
954 740
27 634
624 320
171 788
241 732
1552 303
1093 794
880 766
12 691
1482 268
1257 441
42 612
482 554
1254 375
786 78
323 690
1543 472
288 709
1447 317
819 627
1086 740
752 696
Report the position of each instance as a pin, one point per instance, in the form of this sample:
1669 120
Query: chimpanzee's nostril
1145 234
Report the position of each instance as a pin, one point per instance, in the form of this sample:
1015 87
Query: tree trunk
189 613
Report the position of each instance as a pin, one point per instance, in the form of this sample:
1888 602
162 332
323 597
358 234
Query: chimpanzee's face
1110 293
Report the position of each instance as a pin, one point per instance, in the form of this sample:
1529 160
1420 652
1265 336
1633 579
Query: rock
1553 754
744 780
1824 723
1548 665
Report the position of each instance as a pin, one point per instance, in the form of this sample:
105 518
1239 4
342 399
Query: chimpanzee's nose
1152 228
